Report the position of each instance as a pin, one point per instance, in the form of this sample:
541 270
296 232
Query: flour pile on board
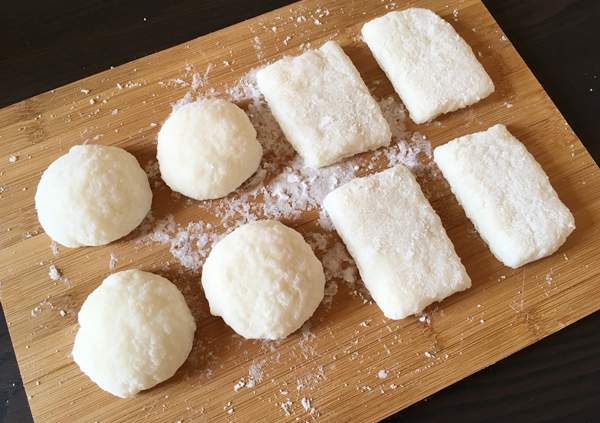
188 244
282 188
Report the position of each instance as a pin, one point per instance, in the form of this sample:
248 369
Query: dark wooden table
45 44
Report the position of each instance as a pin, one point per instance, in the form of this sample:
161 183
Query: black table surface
46 44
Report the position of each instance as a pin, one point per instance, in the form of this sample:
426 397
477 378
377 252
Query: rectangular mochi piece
403 254
323 106
431 67
506 194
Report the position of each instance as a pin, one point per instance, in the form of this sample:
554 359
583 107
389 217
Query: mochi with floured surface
506 194
323 106
402 251
433 70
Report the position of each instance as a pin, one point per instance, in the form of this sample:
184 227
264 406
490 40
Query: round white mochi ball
264 280
92 195
135 331
207 149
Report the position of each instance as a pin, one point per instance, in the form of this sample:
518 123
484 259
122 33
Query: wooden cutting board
350 362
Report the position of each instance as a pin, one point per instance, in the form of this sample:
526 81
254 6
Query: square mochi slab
323 106
403 254
431 67
506 194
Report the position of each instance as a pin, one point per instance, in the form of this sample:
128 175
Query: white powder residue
255 375
245 89
338 264
228 407
186 99
286 406
201 80
331 288
306 346
255 372
257 44
44 305
112 261
382 374
54 273
317 241
152 169
424 318
283 188
308 407
311 379
54 248
189 244
239 385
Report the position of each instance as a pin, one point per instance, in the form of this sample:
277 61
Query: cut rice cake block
403 254
506 194
431 67
323 106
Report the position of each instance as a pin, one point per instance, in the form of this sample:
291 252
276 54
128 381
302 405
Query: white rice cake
431 67
403 254
506 194
323 106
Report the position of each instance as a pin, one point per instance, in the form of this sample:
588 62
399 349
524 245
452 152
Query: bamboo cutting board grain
353 364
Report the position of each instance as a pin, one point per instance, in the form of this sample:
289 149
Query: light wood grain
505 310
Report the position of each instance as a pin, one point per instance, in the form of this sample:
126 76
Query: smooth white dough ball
207 149
264 280
135 331
92 195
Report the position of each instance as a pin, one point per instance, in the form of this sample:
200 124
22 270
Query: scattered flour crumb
286 406
239 385
228 407
186 99
382 374
54 273
201 80
424 318
257 44
255 372
112 261
308 407
189 244
13 158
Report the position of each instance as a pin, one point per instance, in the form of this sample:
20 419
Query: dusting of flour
283 188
